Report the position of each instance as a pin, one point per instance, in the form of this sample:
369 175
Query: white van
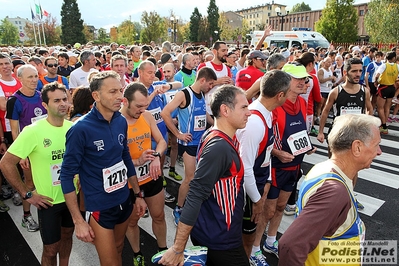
286 39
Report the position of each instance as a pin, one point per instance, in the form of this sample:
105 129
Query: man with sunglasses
247 76
51 65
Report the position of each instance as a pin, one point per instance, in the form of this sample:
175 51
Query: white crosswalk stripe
85 254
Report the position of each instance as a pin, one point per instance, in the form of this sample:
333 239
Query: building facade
308 19
259 16
20 23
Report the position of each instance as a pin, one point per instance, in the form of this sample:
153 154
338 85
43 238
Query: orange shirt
139 140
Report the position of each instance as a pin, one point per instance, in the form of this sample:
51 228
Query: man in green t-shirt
43 142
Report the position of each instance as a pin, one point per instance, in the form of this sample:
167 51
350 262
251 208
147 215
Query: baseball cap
286 53
356 48
166 57
295 70
17 62
70 53
77 45
256 54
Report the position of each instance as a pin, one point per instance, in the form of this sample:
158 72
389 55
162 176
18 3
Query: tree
381 20
71 23
154 28
126 32
300 7
203 35
213 20
195 21
102 37
8 32
225 28
88 31
338 21
52 31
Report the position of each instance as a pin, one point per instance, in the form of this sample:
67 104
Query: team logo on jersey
121 138
47 143
99 144
37 111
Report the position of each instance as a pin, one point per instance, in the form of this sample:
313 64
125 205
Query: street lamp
216 34
175 20
278 11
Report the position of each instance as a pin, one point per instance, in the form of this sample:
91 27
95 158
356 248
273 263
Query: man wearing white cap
247 76
290 146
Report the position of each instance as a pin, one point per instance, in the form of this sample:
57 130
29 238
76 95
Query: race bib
37 118
114 177
199 122
143 171
299 143
354 111
266 162
55 171
169 95
156 113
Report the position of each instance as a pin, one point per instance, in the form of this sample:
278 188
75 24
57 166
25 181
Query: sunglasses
52 65
260 59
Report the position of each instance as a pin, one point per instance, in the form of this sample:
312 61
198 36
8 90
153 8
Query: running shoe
258 259
175 175
16 199
146 213
383 130
168 197
317 120
163 181
273 249
166 164
180 161
195 255
390 120
395 100
7 192
314 132
29 223
138 260
289 210
176 215
4 207
359 205
396 119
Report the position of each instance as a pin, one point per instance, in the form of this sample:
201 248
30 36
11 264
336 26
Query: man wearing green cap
290 146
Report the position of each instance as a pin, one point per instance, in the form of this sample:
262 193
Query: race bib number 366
114 177
299 143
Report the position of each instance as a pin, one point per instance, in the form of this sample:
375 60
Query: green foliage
338 22
154 27
203 35
300 7
102 37
213 20
126 32
225 28
9 33
381 20
195 21
71 23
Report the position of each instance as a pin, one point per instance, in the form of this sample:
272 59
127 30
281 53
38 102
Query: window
257 15
16 22
361 12
250 16
267 21
250 22
20 27
294 19
303 18
290 19
268 14
307 18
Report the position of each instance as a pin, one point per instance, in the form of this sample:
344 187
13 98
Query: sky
109 13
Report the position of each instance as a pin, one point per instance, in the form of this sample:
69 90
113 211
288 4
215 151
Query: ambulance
286 39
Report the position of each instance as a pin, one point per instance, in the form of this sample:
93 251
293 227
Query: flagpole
41 17
33 25
44 36
38 30
38 23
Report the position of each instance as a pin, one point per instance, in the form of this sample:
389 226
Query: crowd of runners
87 132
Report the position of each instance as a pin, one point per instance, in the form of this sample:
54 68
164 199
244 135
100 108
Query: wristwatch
28 195
139 195
156 154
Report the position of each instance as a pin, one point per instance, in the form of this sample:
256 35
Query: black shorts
191 150
8 137
373 88
325 95
234 256
386 91
110 217
51 220
249 227
152 188
282 180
